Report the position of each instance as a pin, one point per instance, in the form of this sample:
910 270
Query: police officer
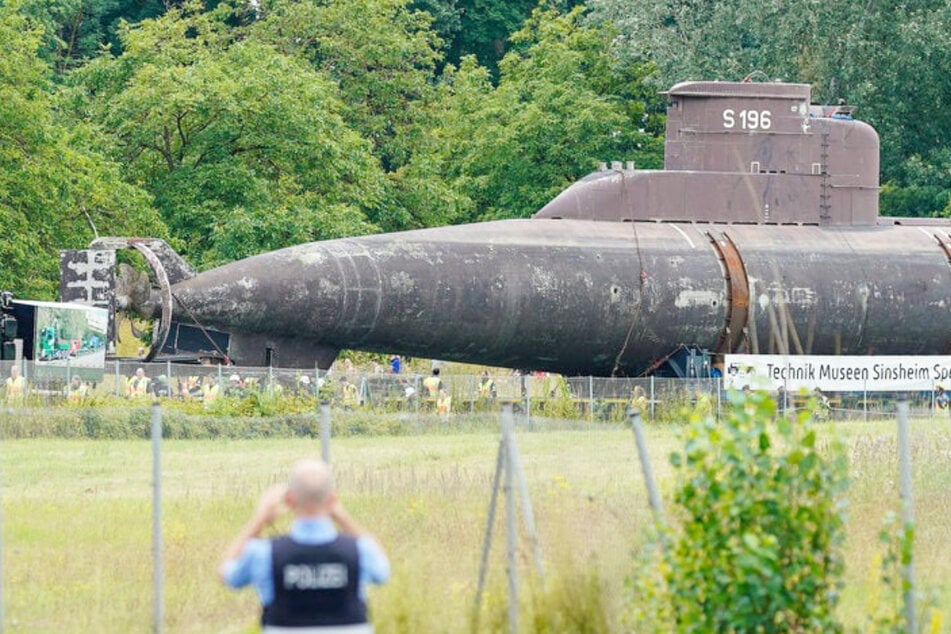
312 580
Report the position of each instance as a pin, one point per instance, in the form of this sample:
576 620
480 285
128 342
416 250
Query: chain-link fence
595 399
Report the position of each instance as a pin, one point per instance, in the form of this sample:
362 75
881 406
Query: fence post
157 572
2 414
487 539
864 401
933 402
527 389
511 534
907 511
117 378
717 385
653 398
653 495
417 395
325 431
591 398
528 513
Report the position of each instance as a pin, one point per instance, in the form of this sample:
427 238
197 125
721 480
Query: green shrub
760 513
560 403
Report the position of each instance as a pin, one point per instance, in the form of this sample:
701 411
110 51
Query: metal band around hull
738 292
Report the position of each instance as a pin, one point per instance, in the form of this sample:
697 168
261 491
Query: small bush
761 527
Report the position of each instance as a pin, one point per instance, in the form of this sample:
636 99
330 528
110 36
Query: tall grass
77 521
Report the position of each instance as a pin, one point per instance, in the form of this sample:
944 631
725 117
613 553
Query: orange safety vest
444 405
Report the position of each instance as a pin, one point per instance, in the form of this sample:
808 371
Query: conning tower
755 153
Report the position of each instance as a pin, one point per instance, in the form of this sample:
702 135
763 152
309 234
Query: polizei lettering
315 577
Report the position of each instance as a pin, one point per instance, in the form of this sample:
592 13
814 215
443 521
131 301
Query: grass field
77 523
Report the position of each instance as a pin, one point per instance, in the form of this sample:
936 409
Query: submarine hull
589 297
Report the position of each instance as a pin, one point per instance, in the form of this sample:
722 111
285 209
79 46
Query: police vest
315 585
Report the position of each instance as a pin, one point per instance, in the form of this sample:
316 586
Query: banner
832 373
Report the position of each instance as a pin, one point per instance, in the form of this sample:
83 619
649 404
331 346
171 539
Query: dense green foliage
235 128
243 148
233 419
562 102
891 59
758 547
58 189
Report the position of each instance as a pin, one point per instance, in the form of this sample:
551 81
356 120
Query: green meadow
76 520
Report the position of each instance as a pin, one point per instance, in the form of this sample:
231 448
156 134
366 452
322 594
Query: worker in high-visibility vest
351 395
486 386
210 390
433 384
16 387
639 401
444 403
138 385
77 390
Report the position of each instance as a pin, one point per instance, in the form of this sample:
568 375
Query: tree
56 190
382 56
243 147
891 58
561 105
483 28
74 31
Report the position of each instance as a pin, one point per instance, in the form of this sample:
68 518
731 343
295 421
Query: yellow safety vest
210 393
350 394
16 387
139 386
432 385
76 395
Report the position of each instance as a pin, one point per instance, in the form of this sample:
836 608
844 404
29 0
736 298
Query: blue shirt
254 564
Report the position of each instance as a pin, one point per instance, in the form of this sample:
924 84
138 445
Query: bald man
312 580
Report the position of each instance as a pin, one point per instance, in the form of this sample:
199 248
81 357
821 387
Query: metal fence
532 395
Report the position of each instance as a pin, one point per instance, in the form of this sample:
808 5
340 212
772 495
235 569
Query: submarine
761 234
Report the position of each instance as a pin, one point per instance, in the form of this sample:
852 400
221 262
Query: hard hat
305 379
235 377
